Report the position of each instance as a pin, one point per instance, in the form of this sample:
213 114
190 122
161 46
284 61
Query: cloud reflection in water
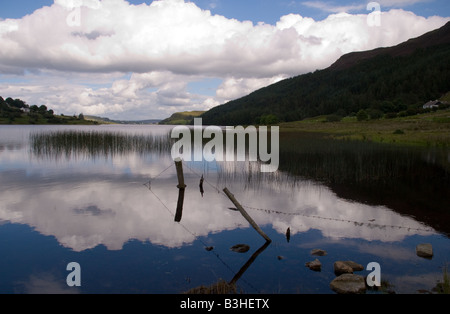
92 203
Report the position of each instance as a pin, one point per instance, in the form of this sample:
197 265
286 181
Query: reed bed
302 156
95 144
349 161
220 287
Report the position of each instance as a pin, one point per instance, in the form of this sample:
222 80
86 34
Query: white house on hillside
432 104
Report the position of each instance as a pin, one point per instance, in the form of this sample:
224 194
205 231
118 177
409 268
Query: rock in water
240 248
342 268
315 265
355 266
346 267
348 284
424 250
318 252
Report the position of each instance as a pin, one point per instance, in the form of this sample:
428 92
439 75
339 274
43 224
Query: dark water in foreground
109 206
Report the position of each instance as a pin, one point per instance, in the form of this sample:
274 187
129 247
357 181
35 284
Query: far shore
429 129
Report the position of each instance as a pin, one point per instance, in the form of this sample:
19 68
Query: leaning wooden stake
246 215
182 187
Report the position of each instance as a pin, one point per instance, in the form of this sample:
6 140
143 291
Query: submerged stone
240 248
346 267
315 265
424 250
318 252
342 268
348 284
355 266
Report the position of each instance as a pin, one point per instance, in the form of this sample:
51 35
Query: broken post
181 188
180 175
246 215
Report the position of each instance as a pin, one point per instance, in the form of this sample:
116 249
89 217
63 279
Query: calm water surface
112 211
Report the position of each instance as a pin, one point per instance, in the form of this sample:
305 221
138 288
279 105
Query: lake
105 198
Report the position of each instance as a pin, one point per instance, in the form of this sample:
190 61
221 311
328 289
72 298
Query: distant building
432 104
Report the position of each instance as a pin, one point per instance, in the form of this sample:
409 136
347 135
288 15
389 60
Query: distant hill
182 118
437 37
384 80
109 121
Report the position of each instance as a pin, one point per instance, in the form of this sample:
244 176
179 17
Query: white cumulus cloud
146 55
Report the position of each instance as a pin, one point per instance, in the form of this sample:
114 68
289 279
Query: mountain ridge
433 38
391 79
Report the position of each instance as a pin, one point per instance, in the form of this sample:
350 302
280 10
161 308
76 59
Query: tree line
17 111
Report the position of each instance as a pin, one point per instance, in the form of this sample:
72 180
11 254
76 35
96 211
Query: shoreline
426 130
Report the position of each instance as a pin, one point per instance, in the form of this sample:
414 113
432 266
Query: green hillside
182 118
381 81
16 111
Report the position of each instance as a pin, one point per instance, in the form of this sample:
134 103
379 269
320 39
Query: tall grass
445 285
347 161
413 181
95 144
220 287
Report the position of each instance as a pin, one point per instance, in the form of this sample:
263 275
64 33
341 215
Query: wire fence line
370 224
149 183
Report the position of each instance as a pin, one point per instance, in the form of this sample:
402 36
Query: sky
137 60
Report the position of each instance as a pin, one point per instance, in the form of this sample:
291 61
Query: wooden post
181 187
246 215
179 166
180 202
